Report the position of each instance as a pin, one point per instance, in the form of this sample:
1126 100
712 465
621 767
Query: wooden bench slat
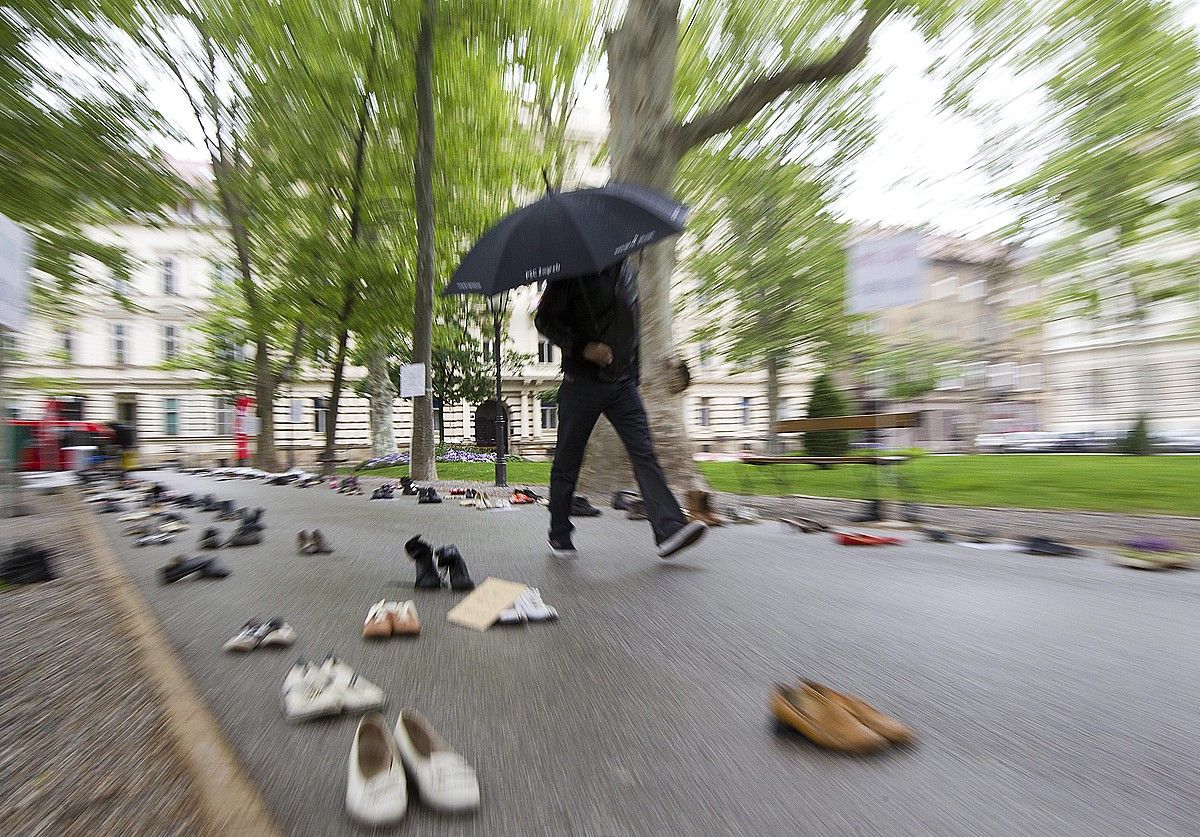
882 421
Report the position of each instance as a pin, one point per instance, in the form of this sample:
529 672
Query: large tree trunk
329 454
773 364
383 398
265 456
423 464
641 70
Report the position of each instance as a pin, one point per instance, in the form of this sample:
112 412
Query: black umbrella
566 234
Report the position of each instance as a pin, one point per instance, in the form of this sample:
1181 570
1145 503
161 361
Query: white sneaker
357 693
309 692
528 607
376 785
247 639
276 634
444 779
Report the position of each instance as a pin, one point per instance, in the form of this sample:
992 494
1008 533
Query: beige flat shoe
868 715
403 616
378 624
822 721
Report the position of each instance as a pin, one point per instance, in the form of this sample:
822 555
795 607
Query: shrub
826 401
1137 440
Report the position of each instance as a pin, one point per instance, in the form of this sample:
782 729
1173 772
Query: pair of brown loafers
835 720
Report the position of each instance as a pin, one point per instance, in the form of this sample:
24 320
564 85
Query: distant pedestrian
594 321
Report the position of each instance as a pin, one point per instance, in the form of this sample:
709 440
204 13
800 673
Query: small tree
826 401
1137 440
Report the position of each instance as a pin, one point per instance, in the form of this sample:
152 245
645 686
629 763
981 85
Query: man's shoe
822 721
870 717
561 547
635 509
688 534
581 507
376 784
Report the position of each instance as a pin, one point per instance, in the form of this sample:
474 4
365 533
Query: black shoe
421 554
26 564
211 538
580 507
245 536
180 568
636 510
213 569
253 518
1038 545
685 537
561 547
428 495
453 565
621 499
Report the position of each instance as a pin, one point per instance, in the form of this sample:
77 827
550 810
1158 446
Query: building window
220 273
223 412
705 415
487 350
296 411
783 410
971 291
170 342
745 410
1029 376
545 351
170 283
119 347
170 416
944 288
120 284
320 411
70 408
68 345
705 355
549 416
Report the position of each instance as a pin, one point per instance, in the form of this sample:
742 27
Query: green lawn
1160 484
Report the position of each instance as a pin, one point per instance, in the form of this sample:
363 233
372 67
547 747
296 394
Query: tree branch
760 92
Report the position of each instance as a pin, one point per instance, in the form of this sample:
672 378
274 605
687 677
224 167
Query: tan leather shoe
868 715
822 721
378 624
403 616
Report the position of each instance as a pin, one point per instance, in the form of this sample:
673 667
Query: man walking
594 322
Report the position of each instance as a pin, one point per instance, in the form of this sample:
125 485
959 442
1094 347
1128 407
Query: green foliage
826 401
75 138
1137 441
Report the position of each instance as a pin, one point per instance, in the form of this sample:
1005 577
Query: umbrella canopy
566 234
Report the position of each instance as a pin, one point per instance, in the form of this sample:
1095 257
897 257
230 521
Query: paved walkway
83 742
1053 696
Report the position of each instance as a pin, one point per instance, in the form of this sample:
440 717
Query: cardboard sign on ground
482 608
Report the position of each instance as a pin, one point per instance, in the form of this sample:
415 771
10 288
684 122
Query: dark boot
26 564
451 562
581 507
317 544
421 554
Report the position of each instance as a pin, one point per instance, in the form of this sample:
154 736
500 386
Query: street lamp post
497 305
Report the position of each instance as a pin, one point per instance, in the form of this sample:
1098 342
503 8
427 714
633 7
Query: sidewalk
84 746
1052 696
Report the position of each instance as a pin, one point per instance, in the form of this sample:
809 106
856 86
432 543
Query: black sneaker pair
450 569
27 564
181 567
582 507
383 492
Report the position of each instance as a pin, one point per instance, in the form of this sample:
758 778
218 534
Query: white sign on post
412 380
15 255
885 272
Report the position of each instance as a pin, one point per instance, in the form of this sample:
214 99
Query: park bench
878 421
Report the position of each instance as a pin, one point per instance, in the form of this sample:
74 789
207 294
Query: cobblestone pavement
1052 696
83 743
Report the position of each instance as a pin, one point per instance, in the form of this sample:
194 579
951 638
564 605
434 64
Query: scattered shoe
863 539
561 547
383 492
872 513
870 717
172 526
582 507
245 536
804 524
155 539
428 495
317 543
1038 545
357 694
26 564
180 567
621 499
376 782
254 634
821 720
378 624
211 538
444 779
528 607
303 543
309 692
214 569
743 514
454 568
421 554
699 507
403 616
636 509
687 535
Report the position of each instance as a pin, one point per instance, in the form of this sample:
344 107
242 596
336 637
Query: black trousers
581 401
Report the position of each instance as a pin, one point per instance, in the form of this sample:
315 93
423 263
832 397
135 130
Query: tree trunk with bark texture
328 455
641 62
773 365
265 455
424 465
383 399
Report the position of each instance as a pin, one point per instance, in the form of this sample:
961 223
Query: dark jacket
602 308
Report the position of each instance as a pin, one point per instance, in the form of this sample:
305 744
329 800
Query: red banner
242 422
